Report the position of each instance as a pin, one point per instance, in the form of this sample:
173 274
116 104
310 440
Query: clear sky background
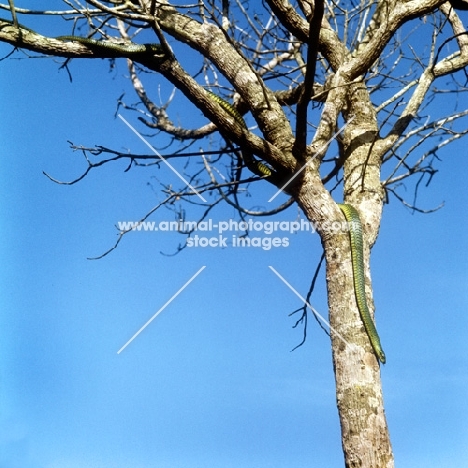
211 382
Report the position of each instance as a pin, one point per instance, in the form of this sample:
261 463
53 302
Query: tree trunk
365 435
364 430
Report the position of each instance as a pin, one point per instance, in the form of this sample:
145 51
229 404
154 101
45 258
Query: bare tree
307 73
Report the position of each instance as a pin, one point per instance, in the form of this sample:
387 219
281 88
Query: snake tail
356 241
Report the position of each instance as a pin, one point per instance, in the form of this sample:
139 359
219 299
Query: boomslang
355 237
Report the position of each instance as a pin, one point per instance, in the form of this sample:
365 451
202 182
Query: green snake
355 236
127 48
256 166
131 48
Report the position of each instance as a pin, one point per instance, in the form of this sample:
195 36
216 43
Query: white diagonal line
311 159
161 309
159 156
310 307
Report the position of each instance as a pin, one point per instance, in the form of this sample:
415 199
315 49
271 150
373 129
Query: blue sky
212 381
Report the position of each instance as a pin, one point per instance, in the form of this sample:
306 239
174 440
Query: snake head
381 356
